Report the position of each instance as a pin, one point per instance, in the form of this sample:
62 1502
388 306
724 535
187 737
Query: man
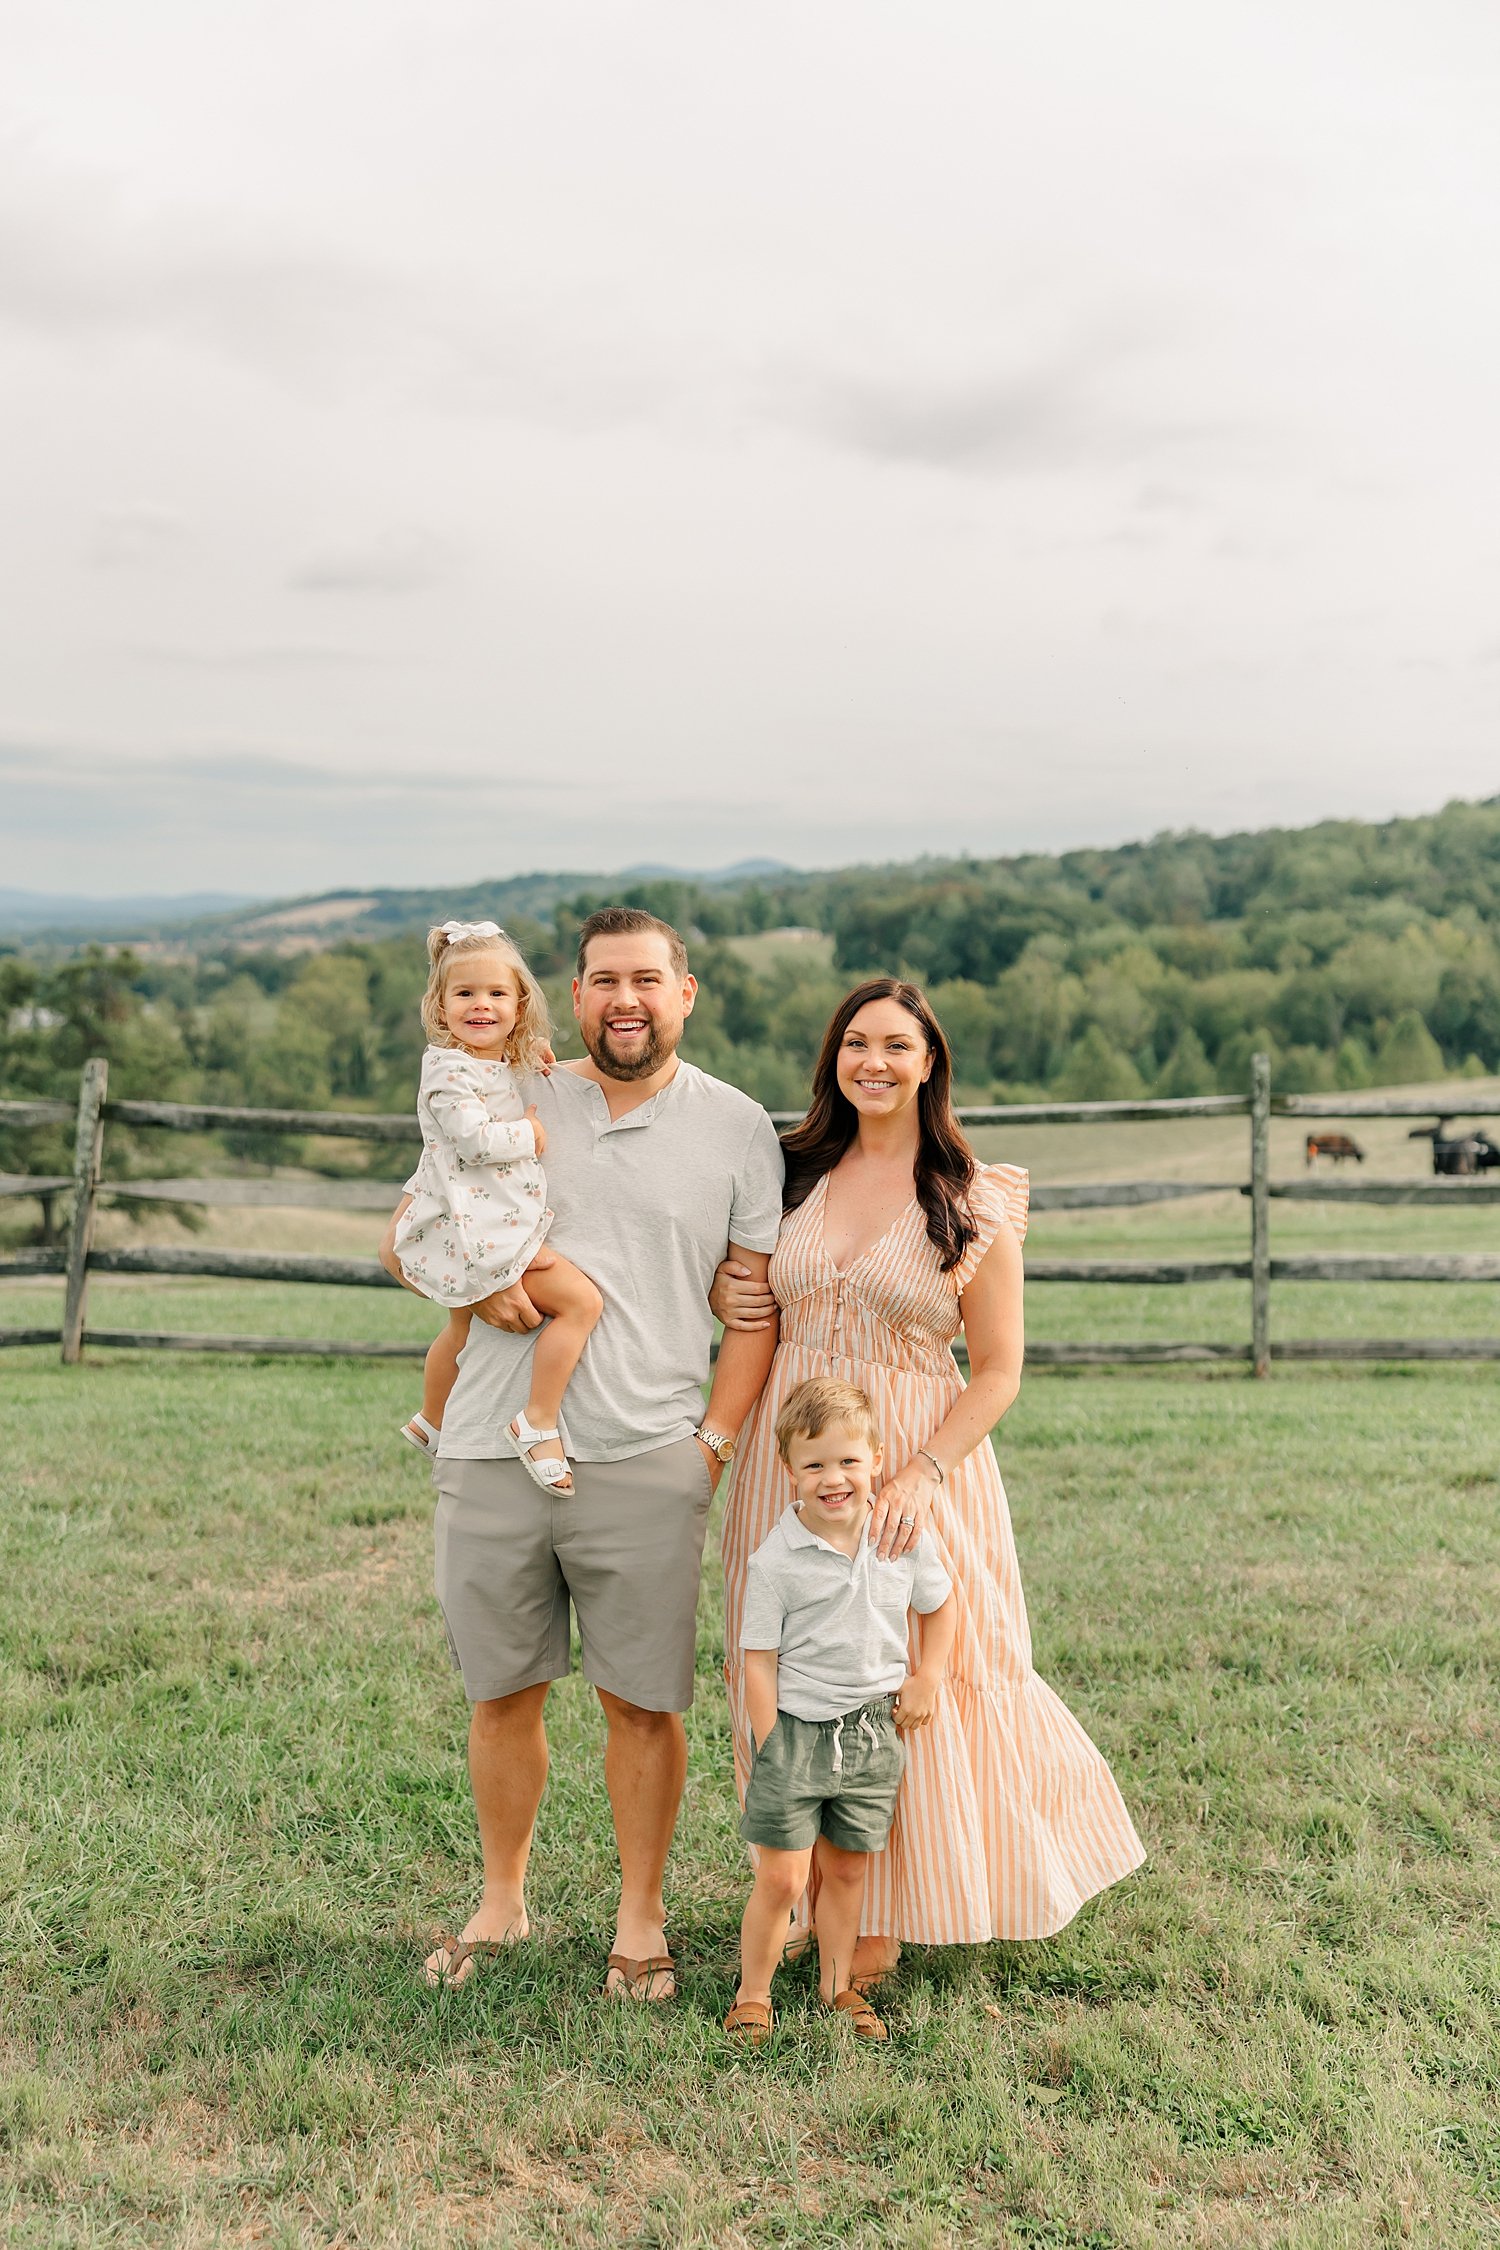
656 1172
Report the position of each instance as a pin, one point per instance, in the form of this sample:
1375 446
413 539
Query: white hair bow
453 931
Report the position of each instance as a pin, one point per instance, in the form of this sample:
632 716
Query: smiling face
834 1474
481 1000
883 1059
630 1004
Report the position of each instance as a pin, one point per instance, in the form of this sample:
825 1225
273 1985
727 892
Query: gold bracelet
942 1476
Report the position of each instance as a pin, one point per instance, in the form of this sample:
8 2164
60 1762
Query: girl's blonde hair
450 944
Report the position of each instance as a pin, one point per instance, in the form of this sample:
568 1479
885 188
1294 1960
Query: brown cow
1337 1145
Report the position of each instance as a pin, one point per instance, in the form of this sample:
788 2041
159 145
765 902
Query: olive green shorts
826 1777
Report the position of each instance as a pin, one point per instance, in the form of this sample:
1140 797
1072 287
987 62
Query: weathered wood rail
78 1258
1383 1105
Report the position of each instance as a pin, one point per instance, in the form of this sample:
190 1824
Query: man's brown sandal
750 2021
636 1978
460 1950
863 2021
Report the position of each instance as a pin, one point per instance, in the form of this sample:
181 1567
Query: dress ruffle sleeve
998 1192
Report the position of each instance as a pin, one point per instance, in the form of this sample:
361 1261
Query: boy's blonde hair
816 1405
453 942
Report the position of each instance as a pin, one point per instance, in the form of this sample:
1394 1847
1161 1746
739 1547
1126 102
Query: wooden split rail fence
78 1258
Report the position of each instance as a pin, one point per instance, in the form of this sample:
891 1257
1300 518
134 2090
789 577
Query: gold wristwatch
721 1447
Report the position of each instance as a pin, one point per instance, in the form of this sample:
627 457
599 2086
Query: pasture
235 1807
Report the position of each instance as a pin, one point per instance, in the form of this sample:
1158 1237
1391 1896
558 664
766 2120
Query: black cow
1463 1154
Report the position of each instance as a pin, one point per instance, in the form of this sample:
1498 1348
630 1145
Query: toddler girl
478 1217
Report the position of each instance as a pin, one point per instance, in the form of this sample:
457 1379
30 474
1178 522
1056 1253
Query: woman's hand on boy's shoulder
900 1509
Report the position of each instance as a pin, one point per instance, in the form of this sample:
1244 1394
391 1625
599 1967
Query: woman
893 1240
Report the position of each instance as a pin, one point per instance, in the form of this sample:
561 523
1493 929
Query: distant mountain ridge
202 919
47 910
961 915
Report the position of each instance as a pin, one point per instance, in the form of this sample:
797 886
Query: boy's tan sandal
750 2020
636 1977
863 2021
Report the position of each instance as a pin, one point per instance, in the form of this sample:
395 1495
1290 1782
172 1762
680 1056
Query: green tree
1094 1071
966 1012
1187 1069
1306 1070
1380 976
1233 1059
1465 1017
1408 1054
1037 1006
1118 996
1229 1003
1351 1065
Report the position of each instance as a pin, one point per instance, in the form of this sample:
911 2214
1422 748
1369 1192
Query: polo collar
796 1534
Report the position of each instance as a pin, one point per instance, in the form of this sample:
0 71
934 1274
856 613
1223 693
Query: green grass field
235 1806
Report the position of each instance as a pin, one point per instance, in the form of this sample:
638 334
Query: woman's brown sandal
459 1950
863 2021
636 1978
750 2021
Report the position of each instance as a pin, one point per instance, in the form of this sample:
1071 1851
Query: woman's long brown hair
945 1161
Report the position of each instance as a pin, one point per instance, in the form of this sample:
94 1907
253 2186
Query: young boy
826 1681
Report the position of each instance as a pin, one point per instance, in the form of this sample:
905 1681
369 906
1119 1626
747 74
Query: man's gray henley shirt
646 1204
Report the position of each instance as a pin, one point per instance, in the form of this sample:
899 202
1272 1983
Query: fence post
87 1147
1260 1213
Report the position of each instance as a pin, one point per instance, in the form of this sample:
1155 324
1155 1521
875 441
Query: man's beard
639 1065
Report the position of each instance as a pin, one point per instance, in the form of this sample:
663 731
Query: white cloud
399 560
848 429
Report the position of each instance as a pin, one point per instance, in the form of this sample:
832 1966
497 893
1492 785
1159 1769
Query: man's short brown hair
631 921
814 1406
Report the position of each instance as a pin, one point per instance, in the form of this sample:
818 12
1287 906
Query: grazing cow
1461 1154
1337 1145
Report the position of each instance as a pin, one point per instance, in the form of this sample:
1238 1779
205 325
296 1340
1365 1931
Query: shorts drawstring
866 1728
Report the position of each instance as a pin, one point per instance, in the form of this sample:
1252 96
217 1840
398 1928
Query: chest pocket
890 1588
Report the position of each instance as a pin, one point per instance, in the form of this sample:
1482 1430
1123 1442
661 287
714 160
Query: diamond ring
908 1519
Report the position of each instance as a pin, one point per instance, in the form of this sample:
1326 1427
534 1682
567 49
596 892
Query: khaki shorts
625 1548
826 1777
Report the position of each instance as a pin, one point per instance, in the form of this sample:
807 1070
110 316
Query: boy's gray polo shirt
839 1621
646 1204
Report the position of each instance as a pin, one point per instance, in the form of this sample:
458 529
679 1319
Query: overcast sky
458 438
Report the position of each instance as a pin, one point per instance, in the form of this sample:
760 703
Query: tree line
1354 954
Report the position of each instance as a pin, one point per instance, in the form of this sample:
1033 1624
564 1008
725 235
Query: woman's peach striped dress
1008 1818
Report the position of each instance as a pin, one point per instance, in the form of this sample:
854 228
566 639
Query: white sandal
549 1474
427 1443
